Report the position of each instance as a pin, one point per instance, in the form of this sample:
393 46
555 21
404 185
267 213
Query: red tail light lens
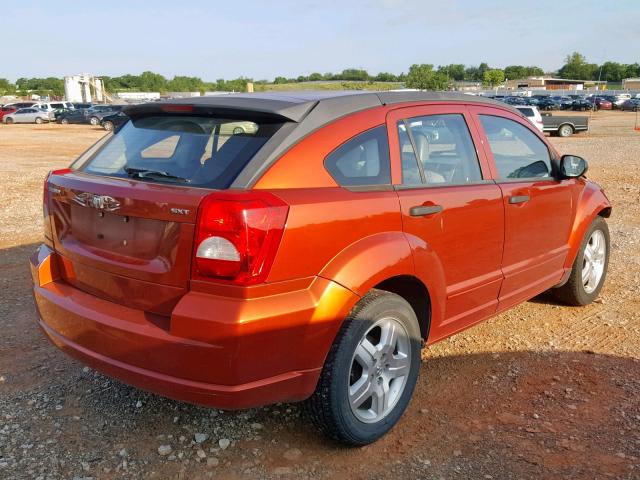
237 236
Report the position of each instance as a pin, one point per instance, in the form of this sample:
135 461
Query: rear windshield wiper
153 175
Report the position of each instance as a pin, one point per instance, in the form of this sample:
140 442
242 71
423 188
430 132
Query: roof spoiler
241 108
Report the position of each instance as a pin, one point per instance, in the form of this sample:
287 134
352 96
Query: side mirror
572 166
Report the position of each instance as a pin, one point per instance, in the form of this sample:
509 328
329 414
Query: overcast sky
262 39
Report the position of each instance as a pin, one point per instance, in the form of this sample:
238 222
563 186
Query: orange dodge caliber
241 250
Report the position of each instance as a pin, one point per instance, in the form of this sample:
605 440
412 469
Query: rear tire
108 126
94 121
370 372
8 121
64 121
38 120
565 131
589 269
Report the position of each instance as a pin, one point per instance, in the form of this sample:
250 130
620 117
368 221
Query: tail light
237 236
48 233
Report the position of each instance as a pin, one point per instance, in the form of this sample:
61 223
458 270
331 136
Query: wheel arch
411 289
397 262
591 204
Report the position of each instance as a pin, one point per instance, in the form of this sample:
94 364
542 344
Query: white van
51 106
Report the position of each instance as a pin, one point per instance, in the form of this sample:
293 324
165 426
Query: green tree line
423 76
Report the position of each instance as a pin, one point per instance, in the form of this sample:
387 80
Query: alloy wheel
593 261
379 370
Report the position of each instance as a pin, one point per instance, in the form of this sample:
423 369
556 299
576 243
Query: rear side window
198 151
517 151
437 150
363 160
527 112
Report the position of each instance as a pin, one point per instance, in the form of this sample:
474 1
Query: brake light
237 236
48 234
177 108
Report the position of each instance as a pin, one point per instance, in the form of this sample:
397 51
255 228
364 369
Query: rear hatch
123 218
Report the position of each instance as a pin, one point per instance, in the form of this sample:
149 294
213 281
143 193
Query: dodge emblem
101 202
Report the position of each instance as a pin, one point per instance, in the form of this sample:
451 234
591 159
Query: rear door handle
519 199
423 210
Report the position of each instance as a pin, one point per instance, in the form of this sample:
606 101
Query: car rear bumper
225 352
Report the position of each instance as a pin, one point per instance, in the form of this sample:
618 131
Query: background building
631 84
551 83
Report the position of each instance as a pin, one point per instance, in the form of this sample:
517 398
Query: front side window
198 151
363 160
517 151
437 150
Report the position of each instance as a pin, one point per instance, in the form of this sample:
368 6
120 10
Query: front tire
589 268
94 121
370 372
108 125
38 120
64 121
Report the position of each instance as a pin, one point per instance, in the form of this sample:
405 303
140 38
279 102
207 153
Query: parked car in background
631 105
620 98
72 116
6 110
582 104
532 114
565 102
62 111
94 114
222 270
602 103
564 126
29 115
19 105
53 106
82 106
549 103
514 100
113 121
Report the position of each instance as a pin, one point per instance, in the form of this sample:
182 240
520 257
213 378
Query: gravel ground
541 391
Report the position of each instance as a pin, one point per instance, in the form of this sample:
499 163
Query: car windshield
201 151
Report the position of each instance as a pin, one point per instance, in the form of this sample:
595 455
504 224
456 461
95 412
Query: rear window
527 112
187 150
362 161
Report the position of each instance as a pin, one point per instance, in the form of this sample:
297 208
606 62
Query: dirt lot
543 391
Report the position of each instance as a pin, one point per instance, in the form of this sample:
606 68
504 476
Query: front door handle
423 210
519 199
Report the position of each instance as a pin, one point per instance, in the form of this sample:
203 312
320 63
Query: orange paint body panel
116 288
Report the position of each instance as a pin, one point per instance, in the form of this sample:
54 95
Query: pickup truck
564 126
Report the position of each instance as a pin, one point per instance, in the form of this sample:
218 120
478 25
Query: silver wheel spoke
389 336
365 354
586 271
360 391
593 278
381 399
398 366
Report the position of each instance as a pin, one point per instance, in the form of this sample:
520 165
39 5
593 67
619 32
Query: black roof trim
295 106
